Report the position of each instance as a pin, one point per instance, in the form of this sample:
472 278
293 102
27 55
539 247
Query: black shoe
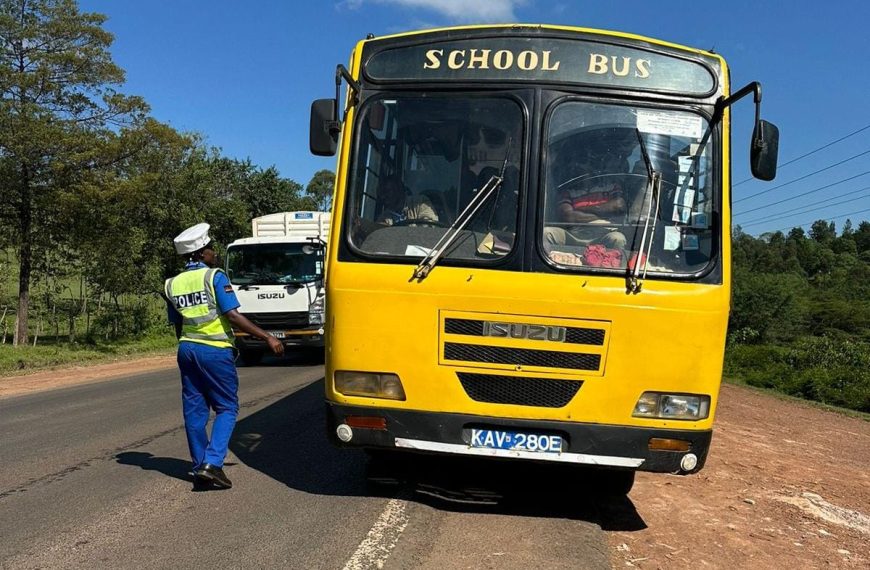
208 473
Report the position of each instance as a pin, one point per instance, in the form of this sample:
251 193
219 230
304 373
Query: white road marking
374 550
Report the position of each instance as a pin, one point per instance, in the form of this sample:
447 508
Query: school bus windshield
420 161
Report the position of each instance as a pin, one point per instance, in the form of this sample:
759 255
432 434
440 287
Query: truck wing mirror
765 148
323 136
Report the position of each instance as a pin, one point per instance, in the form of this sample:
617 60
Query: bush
825 369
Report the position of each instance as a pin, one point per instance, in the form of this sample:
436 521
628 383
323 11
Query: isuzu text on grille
518 330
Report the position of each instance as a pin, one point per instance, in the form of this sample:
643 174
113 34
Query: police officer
202 305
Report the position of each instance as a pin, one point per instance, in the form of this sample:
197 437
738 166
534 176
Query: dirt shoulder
62 377
786 485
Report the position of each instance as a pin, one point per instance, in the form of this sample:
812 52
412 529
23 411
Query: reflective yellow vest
193 296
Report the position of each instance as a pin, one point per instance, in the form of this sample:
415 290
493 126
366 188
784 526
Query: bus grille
520 356
519 390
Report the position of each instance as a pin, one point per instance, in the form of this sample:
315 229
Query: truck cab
277 275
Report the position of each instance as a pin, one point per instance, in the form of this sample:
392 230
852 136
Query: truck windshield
419 163
602 210
273 264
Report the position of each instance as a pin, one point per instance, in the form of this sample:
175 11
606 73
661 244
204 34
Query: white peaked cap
192 239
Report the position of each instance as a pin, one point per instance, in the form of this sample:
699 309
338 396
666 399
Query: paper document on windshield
683 206
672 238
669 123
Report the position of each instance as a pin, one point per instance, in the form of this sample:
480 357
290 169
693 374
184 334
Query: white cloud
489 11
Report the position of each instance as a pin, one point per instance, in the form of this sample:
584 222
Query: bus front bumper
597 445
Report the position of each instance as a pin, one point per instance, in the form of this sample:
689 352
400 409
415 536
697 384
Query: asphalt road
96 476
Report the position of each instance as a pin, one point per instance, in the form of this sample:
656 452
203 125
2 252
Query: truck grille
519 390
280 321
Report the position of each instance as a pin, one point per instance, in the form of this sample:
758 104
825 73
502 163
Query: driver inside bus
590 200
398 207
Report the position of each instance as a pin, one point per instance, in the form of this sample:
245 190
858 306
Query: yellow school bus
532 249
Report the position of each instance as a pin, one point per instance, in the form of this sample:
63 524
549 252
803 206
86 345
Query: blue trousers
208 381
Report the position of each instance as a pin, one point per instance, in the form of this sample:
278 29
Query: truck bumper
313 338
608 446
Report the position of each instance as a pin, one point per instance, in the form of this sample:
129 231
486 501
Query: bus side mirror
324 128
764 151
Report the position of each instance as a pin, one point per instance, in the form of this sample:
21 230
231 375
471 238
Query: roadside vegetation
51 354
800 321
92 190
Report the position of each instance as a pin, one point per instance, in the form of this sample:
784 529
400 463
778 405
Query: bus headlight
672 406
369 384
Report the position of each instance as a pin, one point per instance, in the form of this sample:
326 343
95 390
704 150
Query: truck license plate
517 441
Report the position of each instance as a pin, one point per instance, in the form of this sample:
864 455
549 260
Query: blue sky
244 74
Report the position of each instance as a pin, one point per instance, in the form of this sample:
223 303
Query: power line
807 211
778 214
781 166
802 177
831 219
819 189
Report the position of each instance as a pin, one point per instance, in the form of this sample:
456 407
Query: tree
862 237
320 189
60 117
823 232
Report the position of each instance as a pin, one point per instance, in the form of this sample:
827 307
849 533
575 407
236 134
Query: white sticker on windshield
672 238
664 123
417 250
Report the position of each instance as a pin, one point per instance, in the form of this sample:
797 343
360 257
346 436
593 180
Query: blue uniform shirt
225 296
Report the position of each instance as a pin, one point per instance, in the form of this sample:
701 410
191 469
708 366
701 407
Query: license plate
516 441
277 334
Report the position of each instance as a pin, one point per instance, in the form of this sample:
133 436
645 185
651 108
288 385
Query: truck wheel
315 355
251 357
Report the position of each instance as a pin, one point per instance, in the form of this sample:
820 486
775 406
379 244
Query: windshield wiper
436 253
634 282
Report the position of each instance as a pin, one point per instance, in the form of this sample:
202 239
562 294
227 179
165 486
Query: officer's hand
275 346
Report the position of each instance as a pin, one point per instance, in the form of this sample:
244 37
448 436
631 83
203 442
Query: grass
737 381
14 361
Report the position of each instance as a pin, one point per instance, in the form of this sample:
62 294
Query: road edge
56 378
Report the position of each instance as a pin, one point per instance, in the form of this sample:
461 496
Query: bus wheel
384 467
616 483
251 357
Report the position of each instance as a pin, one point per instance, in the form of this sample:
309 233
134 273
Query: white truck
277 276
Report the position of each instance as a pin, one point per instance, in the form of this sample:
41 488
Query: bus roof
544 27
